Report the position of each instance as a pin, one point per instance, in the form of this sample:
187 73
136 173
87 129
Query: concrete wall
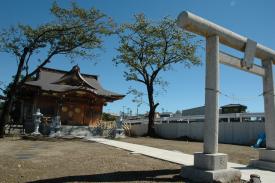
240 133
244 133
177 130
139 129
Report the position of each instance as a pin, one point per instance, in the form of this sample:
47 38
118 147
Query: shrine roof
54 80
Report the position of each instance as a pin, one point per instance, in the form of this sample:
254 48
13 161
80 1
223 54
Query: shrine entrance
210 165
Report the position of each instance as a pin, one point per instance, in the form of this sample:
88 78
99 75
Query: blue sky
253 19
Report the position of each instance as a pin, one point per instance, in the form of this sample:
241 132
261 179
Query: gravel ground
236 153
78 161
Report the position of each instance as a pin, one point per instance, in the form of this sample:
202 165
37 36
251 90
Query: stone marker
55 127
119 131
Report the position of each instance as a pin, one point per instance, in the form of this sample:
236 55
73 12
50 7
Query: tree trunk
5 116
151 116
11 95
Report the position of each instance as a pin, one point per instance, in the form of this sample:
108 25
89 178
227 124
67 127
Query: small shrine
77 98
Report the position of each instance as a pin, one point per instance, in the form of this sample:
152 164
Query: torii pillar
267 155
210 166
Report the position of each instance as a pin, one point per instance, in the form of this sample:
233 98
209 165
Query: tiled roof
62 81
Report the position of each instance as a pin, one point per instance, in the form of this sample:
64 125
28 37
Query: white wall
244 133
139 129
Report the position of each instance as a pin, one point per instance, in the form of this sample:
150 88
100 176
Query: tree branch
156 105
139 80
27 63
47 60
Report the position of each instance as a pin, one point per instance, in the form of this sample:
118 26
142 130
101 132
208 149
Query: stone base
120 133
266 160
267 155
217 161
120 136
36 133
266 165
55 134
205 176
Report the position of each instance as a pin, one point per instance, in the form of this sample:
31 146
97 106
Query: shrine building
77 98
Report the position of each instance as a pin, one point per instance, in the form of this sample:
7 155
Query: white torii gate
211 165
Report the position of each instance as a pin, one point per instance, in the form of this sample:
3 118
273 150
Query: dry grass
58 160
77 161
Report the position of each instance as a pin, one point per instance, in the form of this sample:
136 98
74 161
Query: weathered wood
198 25
236 63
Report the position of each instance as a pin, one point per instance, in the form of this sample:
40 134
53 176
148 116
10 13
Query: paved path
181 158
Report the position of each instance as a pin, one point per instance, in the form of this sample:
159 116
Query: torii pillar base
210 168
266 160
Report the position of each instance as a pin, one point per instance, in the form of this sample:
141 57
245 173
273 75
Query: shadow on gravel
125 176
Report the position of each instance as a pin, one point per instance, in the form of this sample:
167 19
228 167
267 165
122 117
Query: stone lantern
37 120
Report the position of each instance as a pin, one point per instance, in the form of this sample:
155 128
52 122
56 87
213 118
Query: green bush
108 117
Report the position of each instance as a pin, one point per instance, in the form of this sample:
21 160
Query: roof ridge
63 72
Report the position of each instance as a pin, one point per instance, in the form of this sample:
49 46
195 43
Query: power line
234 97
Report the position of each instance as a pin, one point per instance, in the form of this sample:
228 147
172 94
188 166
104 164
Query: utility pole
128 111
123 111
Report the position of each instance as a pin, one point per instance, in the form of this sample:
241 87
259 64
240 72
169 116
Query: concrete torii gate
211 165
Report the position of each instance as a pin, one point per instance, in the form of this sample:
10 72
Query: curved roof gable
61 81
74 78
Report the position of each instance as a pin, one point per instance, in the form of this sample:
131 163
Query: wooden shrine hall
77 98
